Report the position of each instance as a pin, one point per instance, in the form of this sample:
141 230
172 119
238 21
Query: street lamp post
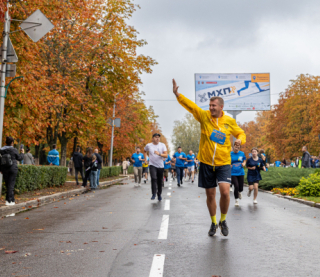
112 135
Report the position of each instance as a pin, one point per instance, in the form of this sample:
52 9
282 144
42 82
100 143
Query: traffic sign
11 53
36 25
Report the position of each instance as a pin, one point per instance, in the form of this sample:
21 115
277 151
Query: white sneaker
12 203
7 203
249 193
240 196
135 185
255 201
139 185
231 190
237 203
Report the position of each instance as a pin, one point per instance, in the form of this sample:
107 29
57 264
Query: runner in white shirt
157 151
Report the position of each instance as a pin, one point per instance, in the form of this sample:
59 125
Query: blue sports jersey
236 162
277 163
167 166
135 157
177 155
191 157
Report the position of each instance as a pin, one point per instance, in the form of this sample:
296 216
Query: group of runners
218 165
180 165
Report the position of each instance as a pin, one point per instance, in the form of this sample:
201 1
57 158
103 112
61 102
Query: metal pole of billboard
234 116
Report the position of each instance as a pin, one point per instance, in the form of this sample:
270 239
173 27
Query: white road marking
169 193
167 205
169 187
163 234
157 265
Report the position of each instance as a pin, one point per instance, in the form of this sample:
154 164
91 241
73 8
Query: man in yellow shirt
214 154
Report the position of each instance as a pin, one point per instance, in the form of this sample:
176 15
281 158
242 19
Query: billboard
241 92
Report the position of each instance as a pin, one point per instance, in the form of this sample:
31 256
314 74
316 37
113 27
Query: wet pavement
118 231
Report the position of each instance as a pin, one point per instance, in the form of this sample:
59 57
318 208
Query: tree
186 133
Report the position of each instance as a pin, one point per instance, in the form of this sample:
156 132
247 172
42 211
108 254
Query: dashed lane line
163 233
167 205
169 193
157 265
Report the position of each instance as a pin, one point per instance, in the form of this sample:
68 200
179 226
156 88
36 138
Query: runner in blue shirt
167 167
137 159
179 158
238 162
191 165
254 165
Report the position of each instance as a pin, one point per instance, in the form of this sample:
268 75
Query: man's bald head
96 151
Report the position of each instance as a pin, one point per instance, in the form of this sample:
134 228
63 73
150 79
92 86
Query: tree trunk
75 141
63 141
43 156
36 155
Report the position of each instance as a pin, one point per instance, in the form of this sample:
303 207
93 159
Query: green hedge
32 177
309 186
280 177
110 171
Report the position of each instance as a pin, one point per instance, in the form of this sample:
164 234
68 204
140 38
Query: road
120 232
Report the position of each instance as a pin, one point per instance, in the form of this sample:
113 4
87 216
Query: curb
41 201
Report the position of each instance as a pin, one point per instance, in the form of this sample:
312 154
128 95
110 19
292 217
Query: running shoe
181 182
7 203
231 190
136 185
213 229
178 185
145 181
139 185
249 193
159 197
192 181
153 197
255 201
240 195
224 228
236 203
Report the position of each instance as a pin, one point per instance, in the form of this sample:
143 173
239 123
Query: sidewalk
10 210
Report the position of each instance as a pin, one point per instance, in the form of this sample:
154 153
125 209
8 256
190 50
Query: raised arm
238 133
189 105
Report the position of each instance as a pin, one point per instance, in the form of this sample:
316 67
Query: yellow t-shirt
146 164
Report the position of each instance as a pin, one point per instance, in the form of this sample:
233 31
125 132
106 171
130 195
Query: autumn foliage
74 75
291 124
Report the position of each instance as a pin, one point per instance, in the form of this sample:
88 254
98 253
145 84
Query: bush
309 186
32 177
106 172
279 177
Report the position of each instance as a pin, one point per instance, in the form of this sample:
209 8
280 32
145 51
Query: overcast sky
209 36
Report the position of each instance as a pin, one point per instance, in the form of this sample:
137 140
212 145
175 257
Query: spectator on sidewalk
297 162
99 161
53 156
9 168
28 158
77 160
87 160
277 163
94 171
305 158
70 166
284 162
125 166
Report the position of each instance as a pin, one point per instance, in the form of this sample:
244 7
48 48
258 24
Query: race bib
218 137
240 159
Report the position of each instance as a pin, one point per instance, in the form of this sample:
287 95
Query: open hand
175 88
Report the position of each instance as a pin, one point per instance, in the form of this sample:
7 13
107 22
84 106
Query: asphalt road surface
120 232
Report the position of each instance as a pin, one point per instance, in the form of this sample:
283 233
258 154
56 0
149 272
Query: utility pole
35 26
5 34
113 116
234 116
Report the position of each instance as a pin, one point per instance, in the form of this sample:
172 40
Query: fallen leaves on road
1 248
38 229
94 241
10 251
101 251
104 228
85 243
114 249
27 254
27 218
68 241
56 207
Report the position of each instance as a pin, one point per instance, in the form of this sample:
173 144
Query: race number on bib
218 137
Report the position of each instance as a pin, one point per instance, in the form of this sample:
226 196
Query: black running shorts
209 179
145 170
